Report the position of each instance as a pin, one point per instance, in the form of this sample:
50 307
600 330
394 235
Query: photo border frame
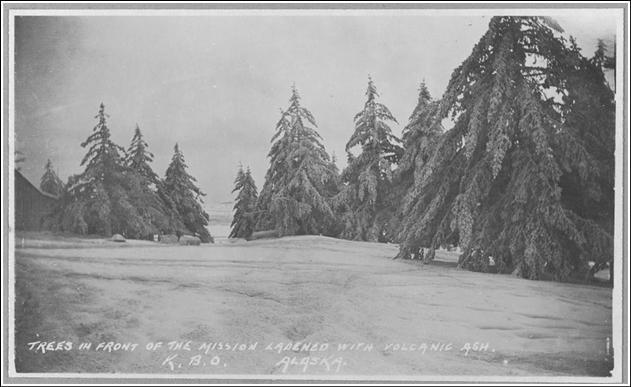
620 293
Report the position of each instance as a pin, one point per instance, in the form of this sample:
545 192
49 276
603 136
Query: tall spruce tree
138 158
103 161
420 137
295 198
274 178
525 174
367 179
97 200
180 187
149 198
50 182
243 220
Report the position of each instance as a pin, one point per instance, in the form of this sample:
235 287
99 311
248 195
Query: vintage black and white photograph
335 192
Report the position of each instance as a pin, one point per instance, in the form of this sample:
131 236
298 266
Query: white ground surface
300 290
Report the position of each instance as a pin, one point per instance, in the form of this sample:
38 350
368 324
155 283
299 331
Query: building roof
18 173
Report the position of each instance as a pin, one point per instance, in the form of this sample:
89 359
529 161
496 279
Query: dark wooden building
31 204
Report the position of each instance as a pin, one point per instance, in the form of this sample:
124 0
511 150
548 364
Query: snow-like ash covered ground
263 307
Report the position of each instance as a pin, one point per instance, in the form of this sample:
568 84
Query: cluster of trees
524 176
119 193
526 173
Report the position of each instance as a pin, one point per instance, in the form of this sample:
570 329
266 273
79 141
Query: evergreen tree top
178 179
424 95
371 90
103 158
519 70
249 182
139 158
239 180
513 48
297 111
421 124
139 144
243 180
424 99
50 182
371 128
99 140
294 123
294 100
178 156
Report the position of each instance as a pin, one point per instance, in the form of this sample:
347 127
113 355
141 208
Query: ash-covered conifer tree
367 180
180 187
50 182
97 201
149 198
420 138
138 158
295 198
104 158
243 220
526 174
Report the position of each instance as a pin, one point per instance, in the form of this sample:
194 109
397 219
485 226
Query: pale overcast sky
216 84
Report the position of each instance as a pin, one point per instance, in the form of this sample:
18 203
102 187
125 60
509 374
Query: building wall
31 205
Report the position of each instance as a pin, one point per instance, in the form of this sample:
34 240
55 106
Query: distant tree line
523 181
